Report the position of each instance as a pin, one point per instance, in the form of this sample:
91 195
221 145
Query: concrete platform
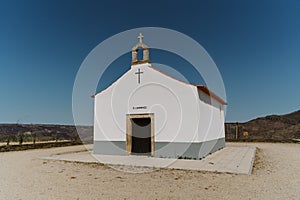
231 159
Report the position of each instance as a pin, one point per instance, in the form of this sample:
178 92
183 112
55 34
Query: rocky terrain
273 128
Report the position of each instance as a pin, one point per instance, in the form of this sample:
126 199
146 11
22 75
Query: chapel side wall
211 115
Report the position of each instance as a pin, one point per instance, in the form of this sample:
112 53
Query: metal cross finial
141 38
139 75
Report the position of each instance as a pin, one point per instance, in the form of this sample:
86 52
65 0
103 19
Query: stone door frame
129 130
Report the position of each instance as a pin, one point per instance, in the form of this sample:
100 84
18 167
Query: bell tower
140 46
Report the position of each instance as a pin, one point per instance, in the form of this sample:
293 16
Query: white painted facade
180 115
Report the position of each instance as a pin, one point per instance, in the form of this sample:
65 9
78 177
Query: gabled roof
200 87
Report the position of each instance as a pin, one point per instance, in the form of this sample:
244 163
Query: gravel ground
24 175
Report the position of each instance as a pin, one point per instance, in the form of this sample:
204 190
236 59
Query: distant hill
44 132
273 128
295 116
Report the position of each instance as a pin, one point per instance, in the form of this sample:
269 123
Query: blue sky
255 44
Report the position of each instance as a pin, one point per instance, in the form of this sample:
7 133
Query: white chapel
147 112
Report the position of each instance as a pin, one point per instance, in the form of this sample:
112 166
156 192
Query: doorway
140 134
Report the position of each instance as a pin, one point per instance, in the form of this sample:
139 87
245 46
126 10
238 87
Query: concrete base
164 149
231 159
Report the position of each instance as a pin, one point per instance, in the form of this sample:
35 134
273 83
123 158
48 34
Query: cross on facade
139 75
140 37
